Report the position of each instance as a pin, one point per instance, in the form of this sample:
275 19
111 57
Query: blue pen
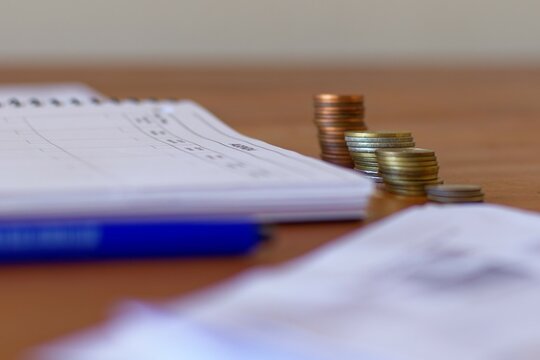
84 239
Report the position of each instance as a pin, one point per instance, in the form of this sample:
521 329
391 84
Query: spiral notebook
77 157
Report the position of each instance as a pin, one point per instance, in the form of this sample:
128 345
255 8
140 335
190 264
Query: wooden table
483 123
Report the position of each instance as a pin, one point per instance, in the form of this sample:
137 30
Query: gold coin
409 170
401 177
420 162
401 182
393 177
406 153
337 156
381 145
407 162
365 163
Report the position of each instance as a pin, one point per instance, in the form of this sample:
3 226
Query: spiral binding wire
77 102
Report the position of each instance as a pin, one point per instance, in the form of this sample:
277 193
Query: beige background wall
270 31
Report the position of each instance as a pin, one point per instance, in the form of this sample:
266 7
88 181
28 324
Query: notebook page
131 149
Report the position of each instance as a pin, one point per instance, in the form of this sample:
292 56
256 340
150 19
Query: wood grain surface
484 125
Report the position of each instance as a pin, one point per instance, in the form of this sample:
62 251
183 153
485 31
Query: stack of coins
335 114
408 171
363 144
455 193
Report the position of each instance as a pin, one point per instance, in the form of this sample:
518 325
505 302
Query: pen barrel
48 241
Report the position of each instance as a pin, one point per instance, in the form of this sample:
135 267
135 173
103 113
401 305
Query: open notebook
81 157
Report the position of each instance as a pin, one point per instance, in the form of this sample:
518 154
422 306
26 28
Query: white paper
160 157
435 282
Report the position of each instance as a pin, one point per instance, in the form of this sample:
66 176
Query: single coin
409 171
406 153
339 129
366 168
365 163
408 175
339 109
370 172
339 157
401 177
363 155
419 162
341 125
378 134
331 138
406 188
338 98
375 140
369 168
371 175
332 142
368 156
339 163
343 155
363 150
407 164
344 120
334 145
401 182
380 145
416 193
335 148
360 158
335 107
336 152
454 188
337 116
